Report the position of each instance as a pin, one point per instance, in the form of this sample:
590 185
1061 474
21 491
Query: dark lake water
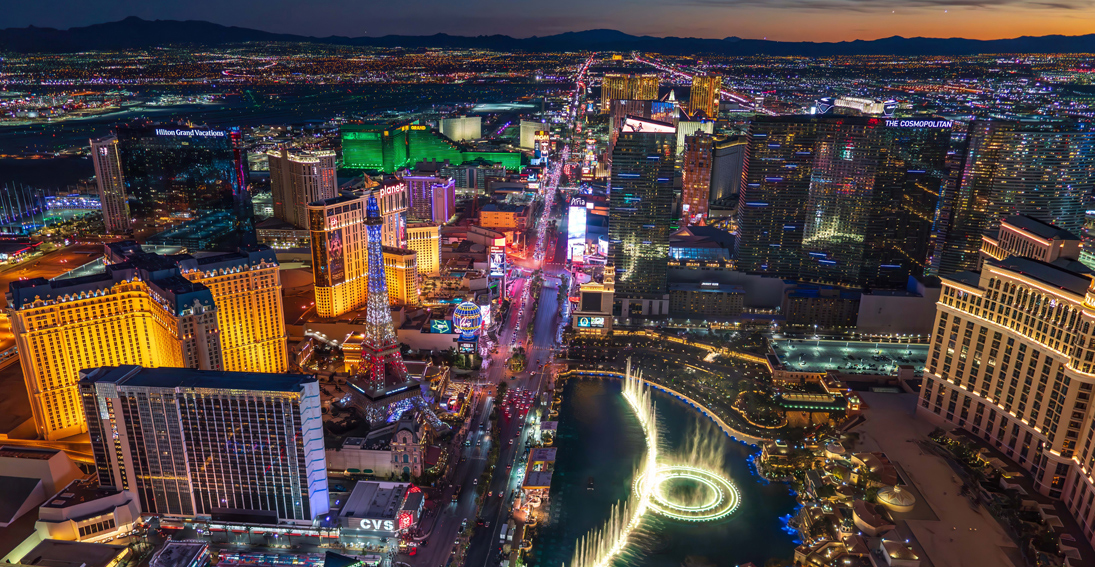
600 437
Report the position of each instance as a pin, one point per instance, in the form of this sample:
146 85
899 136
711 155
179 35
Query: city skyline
781 20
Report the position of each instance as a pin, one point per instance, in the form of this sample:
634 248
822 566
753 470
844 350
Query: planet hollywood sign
919 123
191 133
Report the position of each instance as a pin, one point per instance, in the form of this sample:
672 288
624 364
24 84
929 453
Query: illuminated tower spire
379 349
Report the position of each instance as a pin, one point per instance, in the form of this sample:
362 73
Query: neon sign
198 133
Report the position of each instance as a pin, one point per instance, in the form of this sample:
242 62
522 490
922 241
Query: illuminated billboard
497 261
336 256
441 326
576 227
591 322
633 124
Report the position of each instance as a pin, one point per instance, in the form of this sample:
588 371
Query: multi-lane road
443 535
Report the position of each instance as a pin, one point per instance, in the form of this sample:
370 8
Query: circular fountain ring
723 496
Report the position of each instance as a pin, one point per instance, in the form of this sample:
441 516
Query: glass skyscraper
176 171
840 200
1013 168
640 208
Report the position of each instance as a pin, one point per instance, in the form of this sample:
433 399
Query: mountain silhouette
135 33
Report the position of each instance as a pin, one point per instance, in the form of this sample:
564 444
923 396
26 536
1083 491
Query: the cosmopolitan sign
191 133
919 123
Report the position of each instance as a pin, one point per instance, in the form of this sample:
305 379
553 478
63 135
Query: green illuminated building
390 147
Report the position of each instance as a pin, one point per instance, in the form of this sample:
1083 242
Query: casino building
220 312
1012 361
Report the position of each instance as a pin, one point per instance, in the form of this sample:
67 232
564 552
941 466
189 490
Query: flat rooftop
848 357
1055 276
9 452
543 454
178 553
1039 228
537 480
57 553
79 492
375 500
165 377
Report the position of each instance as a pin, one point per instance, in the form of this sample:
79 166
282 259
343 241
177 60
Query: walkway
730 431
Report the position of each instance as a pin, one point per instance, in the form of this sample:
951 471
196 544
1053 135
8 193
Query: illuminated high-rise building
246 287
111 185
217 312
433 198
1011 361
462 128
131 314
169 170
706 93
207 443
644 87
696 177
840 199
425 240
401 273
394 202
616 86
728 159
686 128
298 178
1042 170
339 263
640 207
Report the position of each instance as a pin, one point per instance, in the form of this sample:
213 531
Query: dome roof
835 448
894 497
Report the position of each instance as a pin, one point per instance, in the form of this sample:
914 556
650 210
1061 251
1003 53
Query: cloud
883 5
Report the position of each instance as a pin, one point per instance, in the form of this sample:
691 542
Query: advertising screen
336 257
591 322
497 261
576 228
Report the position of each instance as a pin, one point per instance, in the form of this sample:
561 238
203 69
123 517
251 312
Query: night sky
788 20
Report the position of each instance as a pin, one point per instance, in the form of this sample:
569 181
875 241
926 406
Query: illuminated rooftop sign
198 133
919 123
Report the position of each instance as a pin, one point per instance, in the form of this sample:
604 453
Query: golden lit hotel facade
401 275
339 263
139 310
1012 361
425 240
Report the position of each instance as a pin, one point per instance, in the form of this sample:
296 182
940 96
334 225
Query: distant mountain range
135 32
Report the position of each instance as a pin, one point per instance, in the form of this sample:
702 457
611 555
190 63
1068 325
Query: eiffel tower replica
383 389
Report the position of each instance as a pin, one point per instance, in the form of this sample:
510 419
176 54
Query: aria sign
191 133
